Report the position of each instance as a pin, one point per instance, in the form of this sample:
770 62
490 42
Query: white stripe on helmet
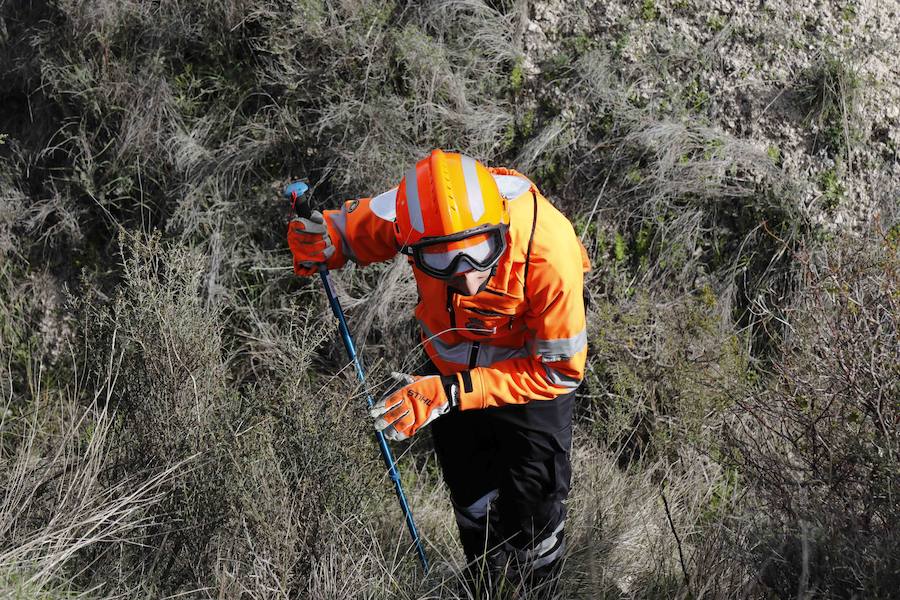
473 190
412 201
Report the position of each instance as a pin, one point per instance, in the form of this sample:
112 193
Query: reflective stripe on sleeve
559 349
339 220
493 354
561 379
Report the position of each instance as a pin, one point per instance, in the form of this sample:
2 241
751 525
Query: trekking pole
293 191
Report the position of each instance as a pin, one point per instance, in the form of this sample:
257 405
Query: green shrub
832 189
649 12
663 370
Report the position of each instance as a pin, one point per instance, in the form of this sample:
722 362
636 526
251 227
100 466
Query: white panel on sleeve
385 205
512 186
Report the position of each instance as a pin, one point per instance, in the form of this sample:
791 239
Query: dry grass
59 503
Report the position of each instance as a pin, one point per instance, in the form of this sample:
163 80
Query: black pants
508 471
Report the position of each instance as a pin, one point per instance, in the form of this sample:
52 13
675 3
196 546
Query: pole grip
294 192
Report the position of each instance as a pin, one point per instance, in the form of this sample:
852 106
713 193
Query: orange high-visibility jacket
512 342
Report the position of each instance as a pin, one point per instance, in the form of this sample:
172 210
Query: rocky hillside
814 85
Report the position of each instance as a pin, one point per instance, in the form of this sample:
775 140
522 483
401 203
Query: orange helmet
450 211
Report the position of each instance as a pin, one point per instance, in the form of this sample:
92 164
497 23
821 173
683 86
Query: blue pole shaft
393 472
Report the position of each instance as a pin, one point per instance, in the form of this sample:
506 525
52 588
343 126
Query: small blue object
295 190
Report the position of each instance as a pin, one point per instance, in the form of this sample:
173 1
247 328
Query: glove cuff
451 388
338 258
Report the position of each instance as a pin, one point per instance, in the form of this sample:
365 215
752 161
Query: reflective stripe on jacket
514 342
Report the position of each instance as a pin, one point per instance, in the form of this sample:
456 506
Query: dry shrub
380 301
33 323
677 201
819 441
269 460
831 92
389 78
186 119
12 212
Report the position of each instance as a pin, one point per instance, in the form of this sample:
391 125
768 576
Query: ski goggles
444 257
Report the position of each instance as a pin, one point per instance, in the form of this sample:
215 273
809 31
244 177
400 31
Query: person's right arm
359 231
360 234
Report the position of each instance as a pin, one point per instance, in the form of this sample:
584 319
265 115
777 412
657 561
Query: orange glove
310 243
399 415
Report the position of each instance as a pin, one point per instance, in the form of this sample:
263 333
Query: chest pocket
480 323
493 316
495 313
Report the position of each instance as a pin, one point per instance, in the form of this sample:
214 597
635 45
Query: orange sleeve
558 335
359 234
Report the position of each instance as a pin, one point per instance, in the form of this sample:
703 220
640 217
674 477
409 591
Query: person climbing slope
500 274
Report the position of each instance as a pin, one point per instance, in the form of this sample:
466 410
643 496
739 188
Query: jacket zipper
450 308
